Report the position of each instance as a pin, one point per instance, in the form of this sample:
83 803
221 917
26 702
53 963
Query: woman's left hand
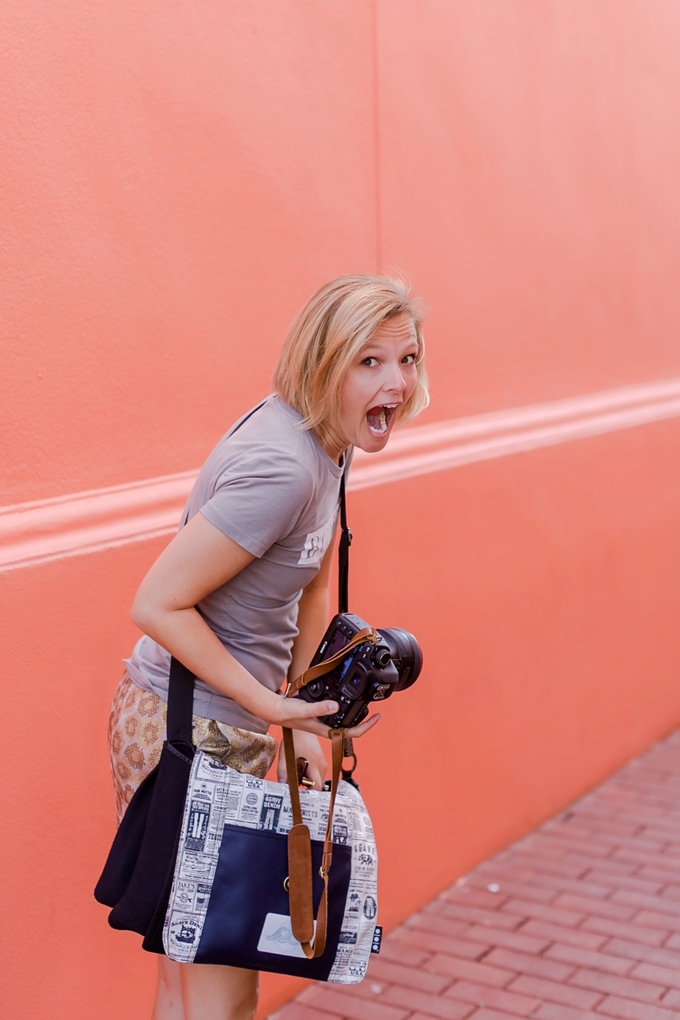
308 746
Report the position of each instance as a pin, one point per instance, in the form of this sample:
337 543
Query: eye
409 359
370 362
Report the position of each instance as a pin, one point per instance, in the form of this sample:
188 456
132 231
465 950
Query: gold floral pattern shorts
137 732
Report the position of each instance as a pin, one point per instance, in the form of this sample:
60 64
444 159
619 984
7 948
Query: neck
334 451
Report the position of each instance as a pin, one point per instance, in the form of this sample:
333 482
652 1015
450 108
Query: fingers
314 774
314 726
321 729
364 727
295 708
302 715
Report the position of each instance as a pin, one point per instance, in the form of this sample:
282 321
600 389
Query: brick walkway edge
581 919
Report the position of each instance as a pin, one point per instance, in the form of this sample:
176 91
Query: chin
373 444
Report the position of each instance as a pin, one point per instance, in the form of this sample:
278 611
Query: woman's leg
168 1004
218 993
196 991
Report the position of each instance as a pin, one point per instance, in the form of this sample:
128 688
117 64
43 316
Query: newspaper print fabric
217 795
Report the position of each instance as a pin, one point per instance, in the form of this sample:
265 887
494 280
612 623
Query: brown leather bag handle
300 888
300 854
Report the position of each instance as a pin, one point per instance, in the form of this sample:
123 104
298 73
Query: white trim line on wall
448 444
86 522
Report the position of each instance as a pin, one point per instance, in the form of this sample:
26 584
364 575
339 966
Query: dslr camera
370 672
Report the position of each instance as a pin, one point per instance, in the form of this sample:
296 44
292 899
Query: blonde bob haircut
324 340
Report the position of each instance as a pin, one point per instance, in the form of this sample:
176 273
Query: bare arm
199 559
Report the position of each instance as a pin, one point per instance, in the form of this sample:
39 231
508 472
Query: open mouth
379 418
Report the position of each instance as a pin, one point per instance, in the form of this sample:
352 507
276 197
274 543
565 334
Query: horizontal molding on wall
448 444
86 522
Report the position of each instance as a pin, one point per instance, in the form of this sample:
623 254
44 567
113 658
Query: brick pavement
581 919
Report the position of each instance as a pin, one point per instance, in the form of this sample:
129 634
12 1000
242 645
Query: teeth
380 427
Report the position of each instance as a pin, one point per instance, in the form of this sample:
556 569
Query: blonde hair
324 340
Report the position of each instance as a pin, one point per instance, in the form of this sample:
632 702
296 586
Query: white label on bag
277 937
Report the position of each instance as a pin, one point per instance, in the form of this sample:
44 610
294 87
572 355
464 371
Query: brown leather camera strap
367 634
300 888
300 854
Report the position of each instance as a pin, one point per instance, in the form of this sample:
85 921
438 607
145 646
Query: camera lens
316 688
406 654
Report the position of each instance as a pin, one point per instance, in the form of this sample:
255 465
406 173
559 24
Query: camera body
370 672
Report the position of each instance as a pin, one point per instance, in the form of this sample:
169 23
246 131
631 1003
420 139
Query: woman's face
382 377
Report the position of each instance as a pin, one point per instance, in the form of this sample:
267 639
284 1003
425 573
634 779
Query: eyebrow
377 346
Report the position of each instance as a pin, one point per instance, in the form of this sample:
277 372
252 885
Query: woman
240 595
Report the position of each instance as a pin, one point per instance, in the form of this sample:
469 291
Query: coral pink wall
177 179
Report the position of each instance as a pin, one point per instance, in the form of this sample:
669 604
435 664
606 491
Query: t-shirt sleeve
259 497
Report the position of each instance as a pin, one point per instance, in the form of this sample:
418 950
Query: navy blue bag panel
123 855
248 885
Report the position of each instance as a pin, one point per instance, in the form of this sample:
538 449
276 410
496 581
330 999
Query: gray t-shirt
273 489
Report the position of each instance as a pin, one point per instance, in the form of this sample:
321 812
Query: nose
396 381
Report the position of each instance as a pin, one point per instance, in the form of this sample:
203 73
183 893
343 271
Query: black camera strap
343 605
343 552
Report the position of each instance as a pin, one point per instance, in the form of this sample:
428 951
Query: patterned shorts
137 732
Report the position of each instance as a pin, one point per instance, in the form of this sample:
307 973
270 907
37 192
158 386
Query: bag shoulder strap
181 680
180 703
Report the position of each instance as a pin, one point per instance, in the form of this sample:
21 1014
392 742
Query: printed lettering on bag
185 894
198 825
182 930
271 809
197 866
232 797
277 937
370 908
354 903
340 833
250 808
202 895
